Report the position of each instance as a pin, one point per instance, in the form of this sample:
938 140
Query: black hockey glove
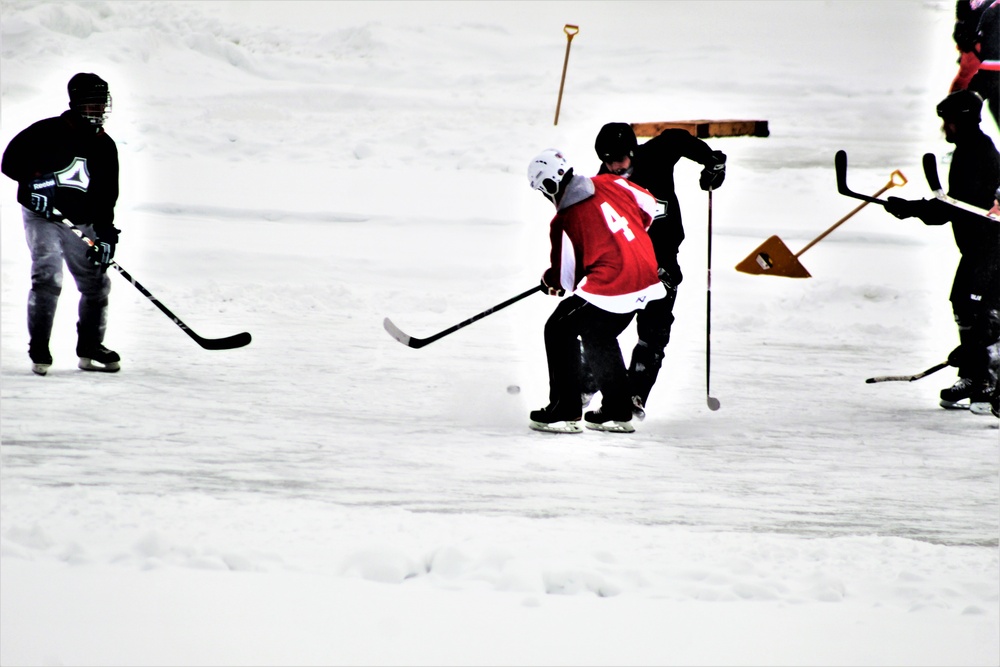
930 211
552 291
42 192
103 250
714 172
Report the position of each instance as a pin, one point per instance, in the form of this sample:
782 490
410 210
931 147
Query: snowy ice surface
328 496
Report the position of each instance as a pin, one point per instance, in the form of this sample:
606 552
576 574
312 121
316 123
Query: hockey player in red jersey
602 255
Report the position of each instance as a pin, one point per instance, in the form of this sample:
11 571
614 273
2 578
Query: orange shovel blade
774 258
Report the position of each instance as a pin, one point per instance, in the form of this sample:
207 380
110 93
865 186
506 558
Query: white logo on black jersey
76 175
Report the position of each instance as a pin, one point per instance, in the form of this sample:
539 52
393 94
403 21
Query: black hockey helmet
89 97
962 106
615 141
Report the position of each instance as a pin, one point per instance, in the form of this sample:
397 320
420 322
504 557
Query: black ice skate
959 391
554 418
98 358
611 421
638 408
41 360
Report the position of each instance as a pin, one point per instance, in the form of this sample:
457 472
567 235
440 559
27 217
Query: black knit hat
962 106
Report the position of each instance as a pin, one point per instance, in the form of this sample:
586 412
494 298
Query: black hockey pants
577 321
653 325
51 244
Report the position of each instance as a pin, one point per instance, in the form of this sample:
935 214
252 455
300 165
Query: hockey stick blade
840 165
907 378
931 173
228 343
934 182
398 334
410 341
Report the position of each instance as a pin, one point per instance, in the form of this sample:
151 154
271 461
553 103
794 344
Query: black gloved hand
550 290
42 191
930 211
903 208
958 357
714 172
103 250
670 278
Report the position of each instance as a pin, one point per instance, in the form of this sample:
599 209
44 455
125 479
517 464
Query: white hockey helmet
546 171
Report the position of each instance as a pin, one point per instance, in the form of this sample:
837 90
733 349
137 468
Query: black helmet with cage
615 141
89 97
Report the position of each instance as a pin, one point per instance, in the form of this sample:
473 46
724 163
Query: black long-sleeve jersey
84 162
653 168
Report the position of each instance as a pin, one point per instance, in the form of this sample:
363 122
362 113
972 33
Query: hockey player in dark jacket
66 168
651 166
973 178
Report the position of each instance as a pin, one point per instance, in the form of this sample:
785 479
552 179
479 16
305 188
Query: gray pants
51 243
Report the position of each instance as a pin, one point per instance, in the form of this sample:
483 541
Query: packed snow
325 495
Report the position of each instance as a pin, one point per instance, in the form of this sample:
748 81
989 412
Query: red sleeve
968 65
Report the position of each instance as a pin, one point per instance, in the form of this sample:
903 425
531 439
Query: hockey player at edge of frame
66 167
973 178
602 255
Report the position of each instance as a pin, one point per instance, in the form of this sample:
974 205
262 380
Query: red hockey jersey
600 248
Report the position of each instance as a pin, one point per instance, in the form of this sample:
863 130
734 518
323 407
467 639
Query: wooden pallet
703 129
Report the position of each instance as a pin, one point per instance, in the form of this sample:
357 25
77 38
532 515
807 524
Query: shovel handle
570 31
896 179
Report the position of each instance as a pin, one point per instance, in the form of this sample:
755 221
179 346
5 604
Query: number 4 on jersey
616 223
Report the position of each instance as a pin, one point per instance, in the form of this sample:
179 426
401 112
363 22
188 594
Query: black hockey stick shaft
713 403
907 378
410 341
227 343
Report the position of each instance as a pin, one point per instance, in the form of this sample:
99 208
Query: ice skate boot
41 360
959 391
638 408
554 418
611 421
98 358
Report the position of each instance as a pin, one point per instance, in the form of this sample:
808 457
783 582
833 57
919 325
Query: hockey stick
227 343
840 164
907 378
713 403
410 341
931 174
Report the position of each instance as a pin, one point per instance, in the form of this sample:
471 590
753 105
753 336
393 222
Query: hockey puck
513 389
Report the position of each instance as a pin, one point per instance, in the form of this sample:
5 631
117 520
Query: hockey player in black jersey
651 165
973 178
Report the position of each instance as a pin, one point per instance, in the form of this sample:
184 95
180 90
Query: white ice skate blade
556 427
981 408
612 427
91 365
952 405
40 369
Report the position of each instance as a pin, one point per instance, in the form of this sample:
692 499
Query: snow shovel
774 258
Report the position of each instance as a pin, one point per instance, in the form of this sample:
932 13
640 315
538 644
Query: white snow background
301 170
